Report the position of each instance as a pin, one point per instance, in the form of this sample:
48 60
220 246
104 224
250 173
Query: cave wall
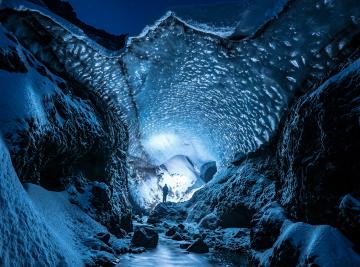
60 131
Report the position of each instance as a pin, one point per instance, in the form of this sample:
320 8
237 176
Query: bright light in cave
162 141
163 146
179 161
180 186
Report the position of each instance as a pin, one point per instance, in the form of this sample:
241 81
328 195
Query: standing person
165 192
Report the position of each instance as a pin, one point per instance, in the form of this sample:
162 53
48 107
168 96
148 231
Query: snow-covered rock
27 239
301 244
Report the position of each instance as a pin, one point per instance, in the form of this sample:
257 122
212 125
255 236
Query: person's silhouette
165 192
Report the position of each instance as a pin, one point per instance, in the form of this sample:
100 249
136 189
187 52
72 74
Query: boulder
207 171
171 231
266 226
178 237
210 221
167 211
185 245
105 237
181 226
199 246
145 237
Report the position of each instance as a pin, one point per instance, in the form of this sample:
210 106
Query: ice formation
222 95
185 91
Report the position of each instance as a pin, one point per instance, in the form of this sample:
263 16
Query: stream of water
169 254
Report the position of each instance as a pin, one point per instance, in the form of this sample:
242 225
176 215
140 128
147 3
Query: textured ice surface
39 227
26 239
227 95
218 95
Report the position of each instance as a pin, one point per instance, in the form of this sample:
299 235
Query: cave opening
184 165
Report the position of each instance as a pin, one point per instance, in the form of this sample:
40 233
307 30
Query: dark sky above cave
129 16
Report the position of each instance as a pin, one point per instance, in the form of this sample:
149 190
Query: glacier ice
222 95
207 95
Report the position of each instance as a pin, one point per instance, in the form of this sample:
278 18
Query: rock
121 250
104 261
178 237
167 211
96 244
234 215
196 236
137 250
100 195
266 227
199 246
118 231
145 237
105 237
349 217
181 226
185 245
210 221
207 171
318 152
171 231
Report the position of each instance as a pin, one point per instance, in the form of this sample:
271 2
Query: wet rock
145 237
167 211
171 231
120 246
121 250
137 250
178 237
115 228
199 246
181 226
96 244
103 260
105 237
185 245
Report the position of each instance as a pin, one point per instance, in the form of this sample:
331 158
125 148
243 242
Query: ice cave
180 133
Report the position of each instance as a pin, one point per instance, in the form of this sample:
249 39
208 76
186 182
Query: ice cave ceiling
206 95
